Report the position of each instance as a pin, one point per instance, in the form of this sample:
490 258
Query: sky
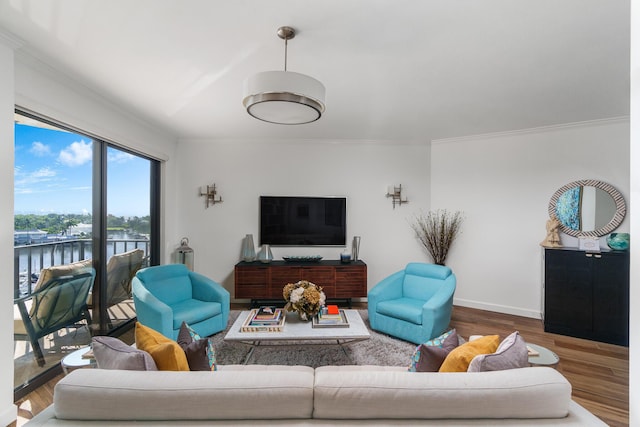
52 174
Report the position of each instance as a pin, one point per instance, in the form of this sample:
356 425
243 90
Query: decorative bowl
618 241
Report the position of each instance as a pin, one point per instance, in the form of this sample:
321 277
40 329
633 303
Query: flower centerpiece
303 297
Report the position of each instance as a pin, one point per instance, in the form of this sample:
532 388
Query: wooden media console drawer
261 282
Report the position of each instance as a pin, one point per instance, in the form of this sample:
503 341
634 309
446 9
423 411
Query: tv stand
262 283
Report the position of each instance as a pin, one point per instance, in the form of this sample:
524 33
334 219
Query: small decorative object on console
265 255
248 249
618 241
553 236
303 297
302 258
589 244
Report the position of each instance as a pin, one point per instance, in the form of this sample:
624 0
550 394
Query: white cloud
119 156
35 177
43 173
23 182
39 149
76 154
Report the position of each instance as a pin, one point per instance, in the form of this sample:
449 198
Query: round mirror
587 208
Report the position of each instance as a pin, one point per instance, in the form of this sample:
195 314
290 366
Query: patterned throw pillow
199 351
429 356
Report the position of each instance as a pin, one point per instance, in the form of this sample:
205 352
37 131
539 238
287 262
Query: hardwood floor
598 372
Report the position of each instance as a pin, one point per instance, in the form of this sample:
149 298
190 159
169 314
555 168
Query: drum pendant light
284 97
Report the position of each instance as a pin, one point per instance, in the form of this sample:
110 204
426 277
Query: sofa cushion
459 358
429 356
511 353
62 270
372 392
407 309
166 353
112 353
200 352
193 311
46 306
278 393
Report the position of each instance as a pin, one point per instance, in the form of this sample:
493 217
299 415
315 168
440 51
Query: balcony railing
29 260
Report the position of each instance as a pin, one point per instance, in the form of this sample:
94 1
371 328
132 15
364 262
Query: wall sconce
210 195
396 195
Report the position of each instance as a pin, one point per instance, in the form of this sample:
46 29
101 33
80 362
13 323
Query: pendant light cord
285 52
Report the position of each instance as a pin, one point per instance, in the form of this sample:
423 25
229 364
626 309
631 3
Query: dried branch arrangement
437 230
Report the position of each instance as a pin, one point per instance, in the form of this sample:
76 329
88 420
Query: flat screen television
303 221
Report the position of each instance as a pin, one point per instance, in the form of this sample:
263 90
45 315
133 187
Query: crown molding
11 40
528 131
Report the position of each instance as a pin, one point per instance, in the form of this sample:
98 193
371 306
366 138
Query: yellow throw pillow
460 357
167 354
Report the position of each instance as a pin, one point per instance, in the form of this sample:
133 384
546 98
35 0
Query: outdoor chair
60 302
414 304
167 295
121 269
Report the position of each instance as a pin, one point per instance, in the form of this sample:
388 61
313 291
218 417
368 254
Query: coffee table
297 332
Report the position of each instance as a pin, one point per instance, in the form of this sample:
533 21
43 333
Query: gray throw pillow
511 353
112 353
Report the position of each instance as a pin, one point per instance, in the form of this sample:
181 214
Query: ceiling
394 70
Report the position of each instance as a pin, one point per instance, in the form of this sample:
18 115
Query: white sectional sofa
325 396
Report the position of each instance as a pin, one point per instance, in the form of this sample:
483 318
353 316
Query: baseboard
516 311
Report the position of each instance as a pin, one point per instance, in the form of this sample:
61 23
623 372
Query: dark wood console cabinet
586 295
264 281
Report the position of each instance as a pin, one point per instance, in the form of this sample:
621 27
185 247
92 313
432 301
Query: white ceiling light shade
284 97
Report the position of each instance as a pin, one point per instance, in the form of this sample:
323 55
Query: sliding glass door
80 202
128 230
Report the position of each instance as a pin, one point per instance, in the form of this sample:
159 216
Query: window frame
100 321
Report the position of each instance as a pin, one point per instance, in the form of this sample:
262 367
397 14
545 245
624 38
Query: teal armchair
414 304
167 295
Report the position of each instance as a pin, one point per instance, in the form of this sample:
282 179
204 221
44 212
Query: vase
248 249
355 248
618 241
265 255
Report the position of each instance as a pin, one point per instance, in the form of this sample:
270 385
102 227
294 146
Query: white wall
244 170
8 410
503 184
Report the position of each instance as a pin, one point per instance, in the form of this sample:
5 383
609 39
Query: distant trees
51 223
60 224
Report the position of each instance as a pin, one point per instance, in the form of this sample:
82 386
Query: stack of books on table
264 319
330 317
